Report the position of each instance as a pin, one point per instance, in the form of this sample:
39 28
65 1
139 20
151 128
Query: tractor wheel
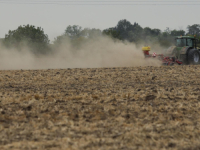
194 57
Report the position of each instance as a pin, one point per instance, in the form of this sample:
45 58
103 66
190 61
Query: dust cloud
94 53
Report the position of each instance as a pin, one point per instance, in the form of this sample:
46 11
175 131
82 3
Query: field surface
109 108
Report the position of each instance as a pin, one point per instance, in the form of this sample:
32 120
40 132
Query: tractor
185 50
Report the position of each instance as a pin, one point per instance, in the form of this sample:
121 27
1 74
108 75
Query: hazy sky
55 18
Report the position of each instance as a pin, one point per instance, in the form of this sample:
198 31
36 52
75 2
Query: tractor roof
185 37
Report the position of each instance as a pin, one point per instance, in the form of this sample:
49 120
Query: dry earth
110 108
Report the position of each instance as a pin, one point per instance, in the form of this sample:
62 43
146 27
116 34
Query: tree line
39 43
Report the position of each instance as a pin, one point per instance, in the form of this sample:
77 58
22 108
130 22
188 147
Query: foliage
124 30
194 29
30 36
177 32
112 32
91 33
35 39
75 36
60 39
73 31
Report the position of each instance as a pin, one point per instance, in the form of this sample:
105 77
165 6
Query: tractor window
190 42
180 42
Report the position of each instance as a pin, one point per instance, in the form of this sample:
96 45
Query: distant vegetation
38 42
124 30
28 36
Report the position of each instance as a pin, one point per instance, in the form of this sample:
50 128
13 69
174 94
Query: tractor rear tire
193 57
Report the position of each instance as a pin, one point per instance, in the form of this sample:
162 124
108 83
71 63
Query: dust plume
93 53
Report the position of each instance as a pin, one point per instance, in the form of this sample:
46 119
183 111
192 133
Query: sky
54 18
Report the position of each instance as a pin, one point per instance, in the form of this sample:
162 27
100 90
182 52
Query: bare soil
107 108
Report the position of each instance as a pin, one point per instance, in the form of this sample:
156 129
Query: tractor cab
189 41
186 50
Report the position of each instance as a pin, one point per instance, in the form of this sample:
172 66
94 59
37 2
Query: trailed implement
169 61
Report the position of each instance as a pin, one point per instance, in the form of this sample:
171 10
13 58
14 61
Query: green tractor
185 50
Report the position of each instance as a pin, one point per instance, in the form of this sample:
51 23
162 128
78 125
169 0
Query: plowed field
109 108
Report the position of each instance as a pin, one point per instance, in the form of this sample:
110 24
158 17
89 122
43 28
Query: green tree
59 39
166 39
147 31
124 30
151 32
156 32
124 27
75 36
194 29
136 33
30 36
150 36
112 32
73 31
90 33
177 32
